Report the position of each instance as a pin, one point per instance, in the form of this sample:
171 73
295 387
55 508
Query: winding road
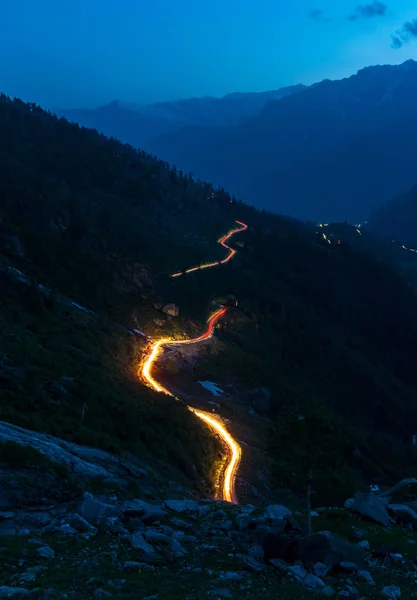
223 241
234 450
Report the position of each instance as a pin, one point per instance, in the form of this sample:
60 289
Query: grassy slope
104 224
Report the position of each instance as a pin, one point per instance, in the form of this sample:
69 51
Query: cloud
368 11
405 34
318 15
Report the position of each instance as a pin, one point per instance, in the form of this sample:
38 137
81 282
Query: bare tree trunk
308 498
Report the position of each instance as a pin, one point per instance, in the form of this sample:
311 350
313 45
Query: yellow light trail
235 452
229 493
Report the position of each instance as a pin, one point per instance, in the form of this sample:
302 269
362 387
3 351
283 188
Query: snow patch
211 387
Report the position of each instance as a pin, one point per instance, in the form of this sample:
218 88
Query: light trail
229 493
221 241
145 370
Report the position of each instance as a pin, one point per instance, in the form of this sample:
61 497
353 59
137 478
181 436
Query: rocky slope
121 546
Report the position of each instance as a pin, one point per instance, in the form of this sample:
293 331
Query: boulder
392 592
370 506
279 546
260 398
256 552
366 576
93 510
313 582
181 506
176 547
276 511
320 569
330 549
252 565
403 514
347 567
171 309
46 552
13 592
328 592
77 522
244 522
138 542
154 537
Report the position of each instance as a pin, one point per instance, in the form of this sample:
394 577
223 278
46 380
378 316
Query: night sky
83 53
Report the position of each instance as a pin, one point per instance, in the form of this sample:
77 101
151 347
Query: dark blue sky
71 53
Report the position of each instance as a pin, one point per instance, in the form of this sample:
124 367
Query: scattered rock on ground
330 549
391 592
181 506
369 505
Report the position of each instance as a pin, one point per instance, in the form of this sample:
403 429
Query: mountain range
335 150
136 124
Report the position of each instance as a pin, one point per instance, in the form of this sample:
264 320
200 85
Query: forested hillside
328 330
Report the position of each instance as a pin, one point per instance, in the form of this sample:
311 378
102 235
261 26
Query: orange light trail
223 241
229 493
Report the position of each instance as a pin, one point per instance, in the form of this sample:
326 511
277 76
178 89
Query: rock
330 549
370 506
140 508
46 552
279 546
171 309
225 525
256 552
244 522
252 565
99 593
180 523
232 575
79 523
13 592
279 564
260 398
313 582
112 525
154 537
181 506
139 543
403 514
298 571
328 592
131 565
27 577
366 576
276 511
320 569
93 510
176 547
391 592
347 567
